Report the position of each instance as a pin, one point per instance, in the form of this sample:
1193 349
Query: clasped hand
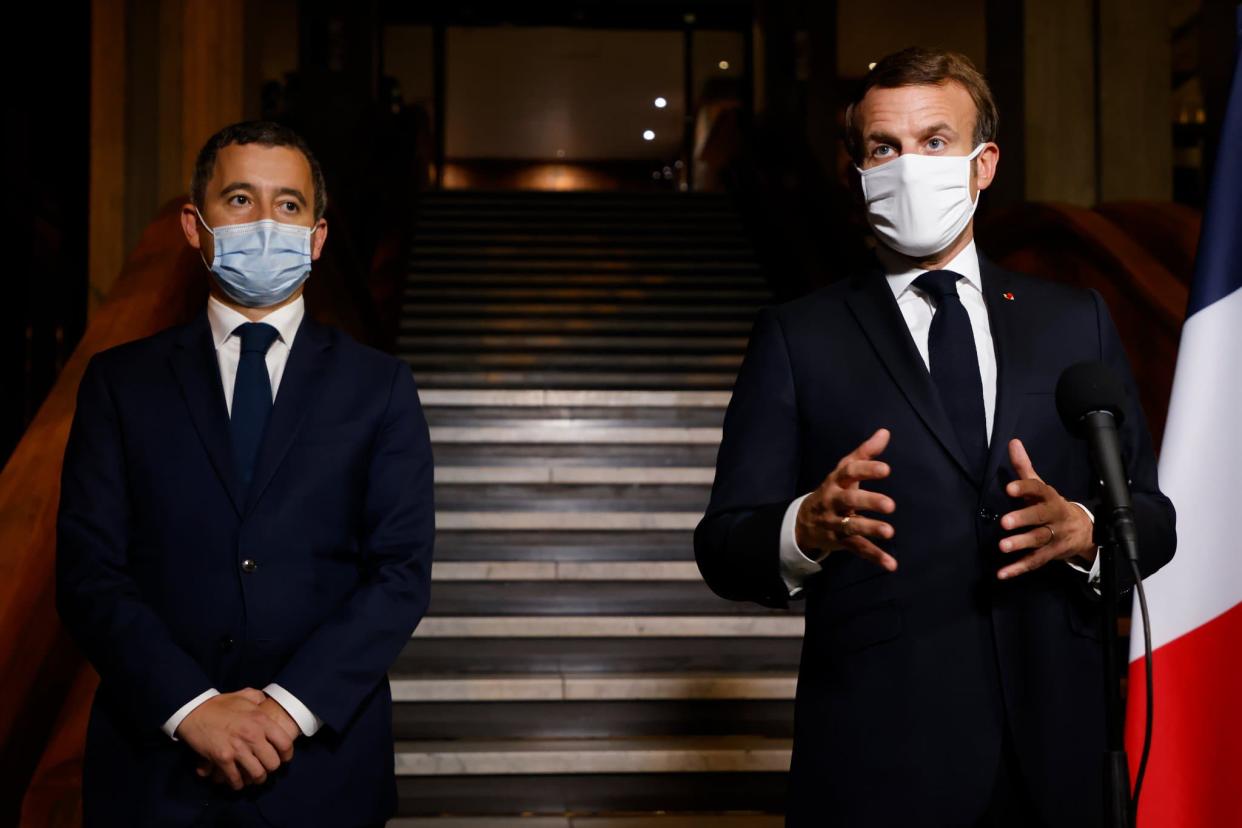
241 737
828 519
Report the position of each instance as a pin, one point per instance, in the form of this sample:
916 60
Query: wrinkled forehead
266 168
909 111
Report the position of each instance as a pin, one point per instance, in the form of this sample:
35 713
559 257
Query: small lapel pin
1008 296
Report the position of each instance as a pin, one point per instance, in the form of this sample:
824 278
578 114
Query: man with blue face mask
892 454
245 530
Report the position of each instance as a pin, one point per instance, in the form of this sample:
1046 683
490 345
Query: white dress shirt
223 321
918 308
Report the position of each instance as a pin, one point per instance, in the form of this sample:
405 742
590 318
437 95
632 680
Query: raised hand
1056 528
238 738
828 519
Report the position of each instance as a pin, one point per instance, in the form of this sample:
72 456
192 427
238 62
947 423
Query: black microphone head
1087 387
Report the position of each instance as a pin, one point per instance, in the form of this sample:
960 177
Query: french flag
1194 775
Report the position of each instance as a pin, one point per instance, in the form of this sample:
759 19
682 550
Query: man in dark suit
245 531
951 670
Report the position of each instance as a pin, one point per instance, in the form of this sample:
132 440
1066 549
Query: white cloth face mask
918 204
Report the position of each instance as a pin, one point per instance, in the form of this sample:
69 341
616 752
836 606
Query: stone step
552 324
553 416
607 345
576 310
492 238
574 431
594 756
566 521
549 360
616 626
582 546
533 599
540 398
629 294
598 655
564 571
507 498
583 264
424 251
654 282
576 454
594 687
589 475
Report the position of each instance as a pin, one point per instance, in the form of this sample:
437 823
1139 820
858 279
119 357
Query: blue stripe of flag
1218 266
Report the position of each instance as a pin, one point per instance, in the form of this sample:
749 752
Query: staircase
574 354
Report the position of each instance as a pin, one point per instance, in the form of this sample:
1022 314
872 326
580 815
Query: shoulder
363 365
148 350
1024 285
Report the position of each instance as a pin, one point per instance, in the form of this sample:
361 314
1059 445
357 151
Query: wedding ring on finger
1052 534
846 531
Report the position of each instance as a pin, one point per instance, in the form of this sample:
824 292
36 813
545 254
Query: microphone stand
1116 765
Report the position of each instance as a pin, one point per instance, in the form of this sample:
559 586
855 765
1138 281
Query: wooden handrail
1082 247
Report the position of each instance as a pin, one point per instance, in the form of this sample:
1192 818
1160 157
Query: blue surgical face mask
260 263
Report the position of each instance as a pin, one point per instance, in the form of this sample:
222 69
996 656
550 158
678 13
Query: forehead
907 109
262 166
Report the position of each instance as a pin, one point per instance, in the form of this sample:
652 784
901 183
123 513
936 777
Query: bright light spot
648 135
660 103
560 153
870 66
724 65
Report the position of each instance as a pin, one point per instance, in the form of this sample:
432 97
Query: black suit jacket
153 528
908 679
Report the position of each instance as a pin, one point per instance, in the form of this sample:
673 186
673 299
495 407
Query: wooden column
213 43
107 187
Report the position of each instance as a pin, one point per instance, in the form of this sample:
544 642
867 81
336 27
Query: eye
936 144
239 200
882 151
290 207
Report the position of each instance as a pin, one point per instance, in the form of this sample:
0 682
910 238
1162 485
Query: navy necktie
954 365
252 396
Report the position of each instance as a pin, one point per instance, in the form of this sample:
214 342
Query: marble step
540 521
655 820
564 571
582 546
554 379
539 398
582 475
629 293
583 264
507 498
429 278
535 599
554 324
423 251
594 756
467 226
788 625
492 238
577 432
549 360
576 454
578 310
598 655
408 346
583 687
600 417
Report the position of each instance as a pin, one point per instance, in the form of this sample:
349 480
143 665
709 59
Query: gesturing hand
828 520
237 737
1057 529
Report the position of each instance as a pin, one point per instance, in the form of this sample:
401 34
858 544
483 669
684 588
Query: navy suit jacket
153 528
908 679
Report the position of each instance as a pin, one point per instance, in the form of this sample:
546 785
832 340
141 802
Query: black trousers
1011 805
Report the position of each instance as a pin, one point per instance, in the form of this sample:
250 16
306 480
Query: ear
189 226
985 165
319 236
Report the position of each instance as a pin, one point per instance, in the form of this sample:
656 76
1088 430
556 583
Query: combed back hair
263 133
917 66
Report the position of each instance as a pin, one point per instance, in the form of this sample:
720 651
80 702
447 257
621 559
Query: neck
253 314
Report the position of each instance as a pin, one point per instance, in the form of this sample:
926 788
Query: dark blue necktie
252 396
954 364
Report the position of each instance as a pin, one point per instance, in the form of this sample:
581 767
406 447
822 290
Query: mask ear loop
206 227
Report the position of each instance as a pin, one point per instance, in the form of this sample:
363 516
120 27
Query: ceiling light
871 65
660 103
724 65
648 135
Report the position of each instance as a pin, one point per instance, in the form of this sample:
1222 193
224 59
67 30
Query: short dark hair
917 66
264 133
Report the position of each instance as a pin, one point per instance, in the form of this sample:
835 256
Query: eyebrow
250 188
940 127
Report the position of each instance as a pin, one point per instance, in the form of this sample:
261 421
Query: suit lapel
198 373
873 304
294 397
1011 360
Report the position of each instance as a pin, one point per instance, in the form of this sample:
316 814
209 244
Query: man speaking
245 531
892 453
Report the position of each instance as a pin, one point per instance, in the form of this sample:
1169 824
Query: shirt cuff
175 720
1093 574
796 567
307 721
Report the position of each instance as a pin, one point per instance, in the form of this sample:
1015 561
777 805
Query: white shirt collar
224 320
901 270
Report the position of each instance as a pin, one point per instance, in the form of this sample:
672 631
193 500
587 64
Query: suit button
249 565
226 642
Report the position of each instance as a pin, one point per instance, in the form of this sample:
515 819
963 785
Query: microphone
1091 402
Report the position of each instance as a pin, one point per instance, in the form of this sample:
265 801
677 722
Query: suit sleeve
737 543
349 654
96 596
1153 511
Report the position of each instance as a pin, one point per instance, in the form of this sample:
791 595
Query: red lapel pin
1008 296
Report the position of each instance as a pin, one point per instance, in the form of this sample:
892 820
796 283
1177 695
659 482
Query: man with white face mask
892 455
245 530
